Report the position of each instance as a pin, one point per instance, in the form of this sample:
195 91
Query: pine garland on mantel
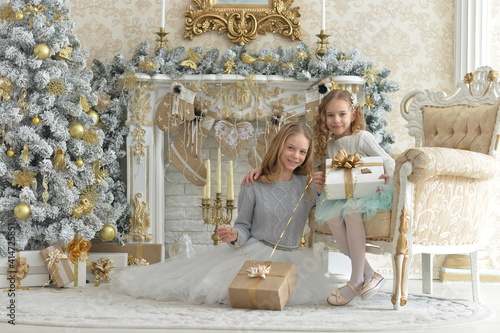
300 65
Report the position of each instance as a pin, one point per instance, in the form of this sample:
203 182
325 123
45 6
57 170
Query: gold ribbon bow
55 257
101 270
259 271
343 160
78 247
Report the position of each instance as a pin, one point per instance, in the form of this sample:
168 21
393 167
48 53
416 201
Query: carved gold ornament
56 87
140 220
139 109
5 88
24 178
147 65
243 23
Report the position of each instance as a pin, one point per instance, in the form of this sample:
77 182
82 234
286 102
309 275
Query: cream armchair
441 187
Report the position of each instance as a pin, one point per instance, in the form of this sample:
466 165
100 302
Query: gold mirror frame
243 23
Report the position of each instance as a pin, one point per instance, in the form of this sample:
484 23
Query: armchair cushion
429 162
460 126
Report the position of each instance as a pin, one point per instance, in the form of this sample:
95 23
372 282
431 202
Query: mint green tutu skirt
368 207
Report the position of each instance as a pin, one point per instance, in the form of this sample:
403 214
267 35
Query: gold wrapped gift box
270 293
58 265
152 253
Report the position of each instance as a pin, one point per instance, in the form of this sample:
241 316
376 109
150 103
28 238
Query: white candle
230 187
206 189
218 189
323 15
162 14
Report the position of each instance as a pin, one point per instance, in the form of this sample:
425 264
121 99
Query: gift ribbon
78 250
347 162
55 257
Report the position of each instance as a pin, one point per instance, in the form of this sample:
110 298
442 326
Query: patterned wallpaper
412 38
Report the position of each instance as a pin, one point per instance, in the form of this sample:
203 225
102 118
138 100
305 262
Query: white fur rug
98 307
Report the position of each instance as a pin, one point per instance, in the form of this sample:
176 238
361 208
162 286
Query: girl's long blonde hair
322 133
271 163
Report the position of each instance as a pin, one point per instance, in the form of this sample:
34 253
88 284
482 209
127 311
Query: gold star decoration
370 75
302 55
129 81
24 178
56 87
103 103
147 65
369 102
90 193
92 137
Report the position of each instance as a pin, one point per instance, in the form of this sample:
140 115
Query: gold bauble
35 120
79 162
77 131
42 51
22 211
10 152
19 16
107 233
94 116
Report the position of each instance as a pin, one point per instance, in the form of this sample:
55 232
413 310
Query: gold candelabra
162 39
215 214
323 42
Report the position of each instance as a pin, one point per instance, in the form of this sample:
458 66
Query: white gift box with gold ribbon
361 181
37 274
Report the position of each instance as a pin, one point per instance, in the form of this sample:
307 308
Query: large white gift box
79 269
38 275
120 260
361 181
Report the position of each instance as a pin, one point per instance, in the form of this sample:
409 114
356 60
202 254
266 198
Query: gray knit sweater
264 210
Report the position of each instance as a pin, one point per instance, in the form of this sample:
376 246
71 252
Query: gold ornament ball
19 16
42 51
35 120
79 162
22 211
107 233
77 131
11 153
94 116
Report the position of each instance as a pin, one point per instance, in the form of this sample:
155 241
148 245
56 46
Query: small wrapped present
25 269
78 254
58 265
151 253
263 285
101 264
352 176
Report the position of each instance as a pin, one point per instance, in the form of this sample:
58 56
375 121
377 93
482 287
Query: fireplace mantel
233 97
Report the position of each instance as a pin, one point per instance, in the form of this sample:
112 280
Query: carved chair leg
398 268
476 293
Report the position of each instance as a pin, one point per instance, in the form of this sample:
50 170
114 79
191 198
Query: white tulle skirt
206 277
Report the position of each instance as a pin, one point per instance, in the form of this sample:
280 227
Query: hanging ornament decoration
99 173
107 233
84 104
19 16
7 13
59 160
370 75
79 162
369 102
92 137
64 53
193 58
56 87
4 134
34 10
25 154
94 115
70 183
10 153
45 194
41 51
90 193
248 59
22 211
302 55
229 66
129 81
77 131
21 104
103 103
24 178
84 207
147 65
5 88
35 120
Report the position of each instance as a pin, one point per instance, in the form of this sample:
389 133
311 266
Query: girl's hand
227 234
252 176
386 177
318 180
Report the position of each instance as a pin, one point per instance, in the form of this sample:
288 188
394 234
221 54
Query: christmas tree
54 171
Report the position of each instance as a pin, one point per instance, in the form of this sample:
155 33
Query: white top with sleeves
363 143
